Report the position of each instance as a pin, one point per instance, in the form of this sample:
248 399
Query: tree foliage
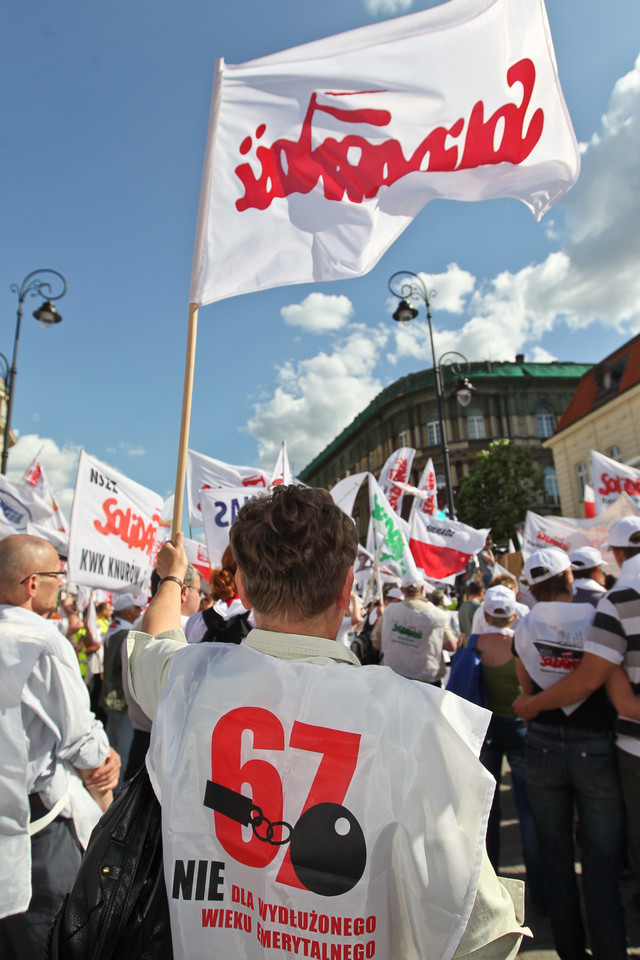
501 486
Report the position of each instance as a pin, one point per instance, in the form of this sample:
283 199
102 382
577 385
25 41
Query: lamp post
47 315
407 286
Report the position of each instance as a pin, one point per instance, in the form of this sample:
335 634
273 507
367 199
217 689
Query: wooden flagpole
187 394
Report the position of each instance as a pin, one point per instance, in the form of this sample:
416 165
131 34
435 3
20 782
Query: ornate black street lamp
408 286
47 315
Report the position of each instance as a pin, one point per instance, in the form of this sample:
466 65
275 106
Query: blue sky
104 119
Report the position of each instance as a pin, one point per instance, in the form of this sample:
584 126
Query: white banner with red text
569 533
395 474
610 479
335 146
114 527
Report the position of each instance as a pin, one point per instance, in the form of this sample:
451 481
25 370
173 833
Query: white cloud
316 398
375 7
136 451
319 313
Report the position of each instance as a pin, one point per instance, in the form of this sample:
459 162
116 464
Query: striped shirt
615 636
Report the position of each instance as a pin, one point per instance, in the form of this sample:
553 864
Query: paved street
541 946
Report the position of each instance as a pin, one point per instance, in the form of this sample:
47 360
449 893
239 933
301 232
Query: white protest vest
365 829
550 642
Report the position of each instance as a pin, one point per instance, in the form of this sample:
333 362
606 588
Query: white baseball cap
499 602
544 564
124 600
395 594
584 558
621 532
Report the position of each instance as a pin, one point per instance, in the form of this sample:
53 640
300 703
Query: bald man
46 730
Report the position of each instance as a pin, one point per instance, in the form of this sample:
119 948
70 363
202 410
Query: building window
545 422
551 485
475 425
582 474
404 438
433 431
616 454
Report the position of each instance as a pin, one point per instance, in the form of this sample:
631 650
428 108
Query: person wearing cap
479 624
414 634
506 734
588 575
390 594
112 700
570 764
612 657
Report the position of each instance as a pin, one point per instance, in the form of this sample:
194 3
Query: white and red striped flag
442 547
335 146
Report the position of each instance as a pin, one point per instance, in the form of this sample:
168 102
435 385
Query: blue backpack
466 678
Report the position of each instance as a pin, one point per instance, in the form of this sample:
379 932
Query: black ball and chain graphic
327 846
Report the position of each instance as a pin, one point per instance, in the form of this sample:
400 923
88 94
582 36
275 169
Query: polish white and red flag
282 470
35 477
335 146
394 476
427 500
441 547
589 502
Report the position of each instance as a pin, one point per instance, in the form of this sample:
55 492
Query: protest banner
36 478
335 146
569 533
428 502
345 491
114 525
387 537
20 506
219 509
205 473
442 548
610 479
394 474
282 470
198 557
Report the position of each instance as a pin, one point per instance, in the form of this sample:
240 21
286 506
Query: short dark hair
583 573
551 589
293 550
474 589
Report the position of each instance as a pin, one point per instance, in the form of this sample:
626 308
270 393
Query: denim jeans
571 769
505 737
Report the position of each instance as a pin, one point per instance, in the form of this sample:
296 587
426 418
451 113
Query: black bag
118 905
219 630
362 646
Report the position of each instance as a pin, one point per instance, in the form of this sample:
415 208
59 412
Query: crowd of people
274 639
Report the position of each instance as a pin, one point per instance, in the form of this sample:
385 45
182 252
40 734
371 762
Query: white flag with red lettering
428 484
114 528
395 474
441 547
335 146
610 479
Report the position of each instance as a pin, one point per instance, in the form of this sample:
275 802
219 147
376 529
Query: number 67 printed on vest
310 810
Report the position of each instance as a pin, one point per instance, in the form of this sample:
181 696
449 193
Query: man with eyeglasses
51 748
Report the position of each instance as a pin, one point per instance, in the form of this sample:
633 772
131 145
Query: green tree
500 487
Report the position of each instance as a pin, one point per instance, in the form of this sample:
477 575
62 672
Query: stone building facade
515 400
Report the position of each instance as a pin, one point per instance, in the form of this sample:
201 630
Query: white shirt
46 729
